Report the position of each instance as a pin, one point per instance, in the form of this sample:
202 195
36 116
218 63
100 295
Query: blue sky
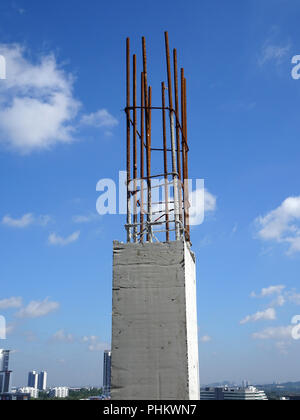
62 129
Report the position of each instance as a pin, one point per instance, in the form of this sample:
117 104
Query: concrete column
154 322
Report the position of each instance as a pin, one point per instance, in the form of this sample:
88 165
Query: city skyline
243 112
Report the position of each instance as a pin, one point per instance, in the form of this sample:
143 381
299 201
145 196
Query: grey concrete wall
154 322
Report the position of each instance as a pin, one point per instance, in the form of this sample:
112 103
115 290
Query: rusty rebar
145 81
177 112
187 211
165 161
148 141
139 181
128 134
184 148
174 166
142 161
149 165
177 133
134 149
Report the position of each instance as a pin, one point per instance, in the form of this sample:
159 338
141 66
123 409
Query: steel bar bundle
148 219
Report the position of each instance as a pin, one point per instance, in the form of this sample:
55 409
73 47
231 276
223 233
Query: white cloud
283 295
282 225
62 336
294 244
268 314
268 291
25 220
22 222
210 201
85 218
94 344
294 298
273 52
29 123
38 106
279 221
202 202
280 333
55 239
101 119
36 309
271 290
97 346
279 301
205 339
2 328
13 302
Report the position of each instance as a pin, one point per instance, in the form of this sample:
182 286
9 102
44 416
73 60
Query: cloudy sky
62 130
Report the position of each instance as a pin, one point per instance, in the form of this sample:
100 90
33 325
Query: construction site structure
171 212
154 318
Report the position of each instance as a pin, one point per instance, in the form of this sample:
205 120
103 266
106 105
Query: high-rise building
4 371
42 381
232 393
245 383
4 360
106 372
33 379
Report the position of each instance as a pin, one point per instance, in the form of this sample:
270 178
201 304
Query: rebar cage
167 218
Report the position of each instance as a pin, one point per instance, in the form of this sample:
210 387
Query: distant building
107 372
33 392
42 381
4 371
33 379
4 359
59 392
245 383
232 393
17 396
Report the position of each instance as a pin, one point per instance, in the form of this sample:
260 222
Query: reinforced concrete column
154 322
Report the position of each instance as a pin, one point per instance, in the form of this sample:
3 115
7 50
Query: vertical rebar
180 188
149 163
134 150
145 73
148 143
187 211
183 148
176 112
165 161
179 152
142 160
173 147
128 136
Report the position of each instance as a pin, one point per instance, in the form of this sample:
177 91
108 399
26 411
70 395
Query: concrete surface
154 322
